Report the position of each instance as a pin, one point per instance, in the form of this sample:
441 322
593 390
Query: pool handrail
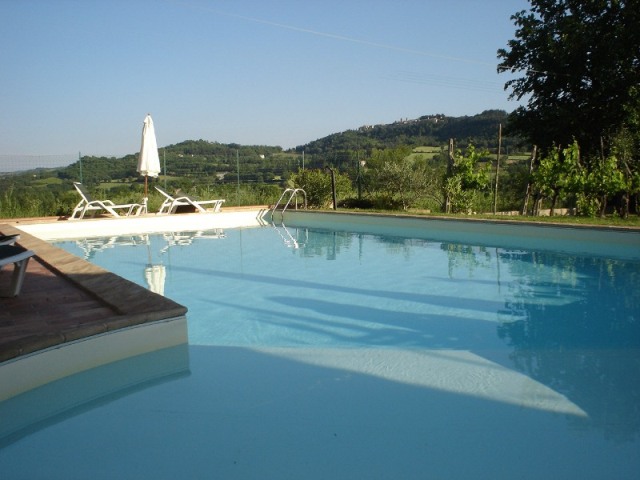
294 193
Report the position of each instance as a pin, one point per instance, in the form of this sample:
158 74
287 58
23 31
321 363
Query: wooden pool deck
65 298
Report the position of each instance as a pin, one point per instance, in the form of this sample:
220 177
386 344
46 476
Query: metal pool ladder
293 193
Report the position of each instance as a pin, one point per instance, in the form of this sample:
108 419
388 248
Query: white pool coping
100 227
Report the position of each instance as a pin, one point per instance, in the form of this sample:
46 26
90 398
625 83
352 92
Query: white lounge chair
88 204
170 203
9 239
20 258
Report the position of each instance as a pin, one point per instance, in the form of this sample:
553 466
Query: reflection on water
579 333
574 321
94 245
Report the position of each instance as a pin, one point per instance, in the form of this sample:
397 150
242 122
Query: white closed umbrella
149 161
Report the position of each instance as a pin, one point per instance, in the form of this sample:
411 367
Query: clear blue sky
80 75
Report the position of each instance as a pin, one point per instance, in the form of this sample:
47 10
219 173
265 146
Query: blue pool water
328 354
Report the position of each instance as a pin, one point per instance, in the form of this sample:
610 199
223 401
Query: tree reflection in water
573 321
579 333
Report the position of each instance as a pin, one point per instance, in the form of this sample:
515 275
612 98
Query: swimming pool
324 353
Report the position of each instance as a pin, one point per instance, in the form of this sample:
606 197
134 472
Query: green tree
465 180
601 183
580 66
559 173
317 186
398 177
562 172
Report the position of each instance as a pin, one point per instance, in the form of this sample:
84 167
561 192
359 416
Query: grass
110 185
43 182
519 158
427 149
424 152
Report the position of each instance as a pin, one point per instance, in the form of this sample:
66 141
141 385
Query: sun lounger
170 203
88 204
9 239
20 258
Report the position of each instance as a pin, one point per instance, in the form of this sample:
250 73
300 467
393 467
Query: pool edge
617 242
38 368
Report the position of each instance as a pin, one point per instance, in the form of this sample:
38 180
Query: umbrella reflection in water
154 274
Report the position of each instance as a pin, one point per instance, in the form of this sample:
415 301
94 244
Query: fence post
333 187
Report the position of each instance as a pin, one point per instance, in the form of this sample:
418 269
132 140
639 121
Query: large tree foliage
317 186
397 178
580 66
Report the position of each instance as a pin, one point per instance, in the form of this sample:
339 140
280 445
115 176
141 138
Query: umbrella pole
146 198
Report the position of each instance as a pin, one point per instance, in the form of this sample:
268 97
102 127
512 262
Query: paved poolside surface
65 298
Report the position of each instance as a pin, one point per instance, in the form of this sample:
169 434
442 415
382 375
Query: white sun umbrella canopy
149 161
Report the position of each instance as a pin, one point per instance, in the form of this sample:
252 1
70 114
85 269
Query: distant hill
203 159
481 130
